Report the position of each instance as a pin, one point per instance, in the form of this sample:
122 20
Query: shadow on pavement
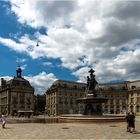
136 132
7 128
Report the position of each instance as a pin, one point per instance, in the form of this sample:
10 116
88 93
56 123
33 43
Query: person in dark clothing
131 122
127 120
134 121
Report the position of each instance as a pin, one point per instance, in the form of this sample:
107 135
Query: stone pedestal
92 105
92 109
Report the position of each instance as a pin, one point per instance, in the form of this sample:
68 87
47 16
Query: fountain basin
91 118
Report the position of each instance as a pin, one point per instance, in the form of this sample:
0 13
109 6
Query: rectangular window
137 109
111 101
138 100
133 87
132 100
75 86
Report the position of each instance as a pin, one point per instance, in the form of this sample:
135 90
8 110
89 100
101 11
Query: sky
73 36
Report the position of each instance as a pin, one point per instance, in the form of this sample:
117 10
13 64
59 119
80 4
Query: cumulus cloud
23 67
47 64
125 9
40 82
82 74
82 34
12 44
21 60
42 12
21 63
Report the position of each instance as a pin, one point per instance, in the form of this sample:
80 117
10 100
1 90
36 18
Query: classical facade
61 97
16 95
122 97
117 95
134 96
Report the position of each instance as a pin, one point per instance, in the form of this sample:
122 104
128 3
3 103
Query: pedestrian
127 120
131 121
134 121
3 119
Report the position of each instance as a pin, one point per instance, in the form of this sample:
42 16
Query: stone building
61 97
117 95
16 95
122 97
134 96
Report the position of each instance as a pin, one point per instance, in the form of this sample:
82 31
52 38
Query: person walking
127 120
3 119
134 121
131 122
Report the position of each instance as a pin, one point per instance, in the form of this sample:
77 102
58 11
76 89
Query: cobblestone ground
68 131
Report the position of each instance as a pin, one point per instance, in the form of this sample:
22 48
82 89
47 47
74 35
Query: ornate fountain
92 104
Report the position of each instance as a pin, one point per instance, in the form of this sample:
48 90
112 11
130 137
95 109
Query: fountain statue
91 83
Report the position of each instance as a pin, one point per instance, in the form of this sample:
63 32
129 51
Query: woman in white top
3 119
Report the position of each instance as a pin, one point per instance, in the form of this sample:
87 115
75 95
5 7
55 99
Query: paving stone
68 131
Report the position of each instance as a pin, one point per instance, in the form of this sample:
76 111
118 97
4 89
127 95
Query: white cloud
82 74
23 67
40 82
47 64
42 12
21 60
99 34
12 44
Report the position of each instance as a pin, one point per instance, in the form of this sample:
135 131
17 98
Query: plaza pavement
108 130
